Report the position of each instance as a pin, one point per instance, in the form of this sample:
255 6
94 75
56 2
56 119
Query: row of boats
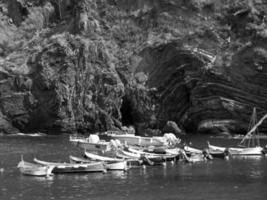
96 160
125 151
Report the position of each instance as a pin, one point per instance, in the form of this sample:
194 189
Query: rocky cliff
84 66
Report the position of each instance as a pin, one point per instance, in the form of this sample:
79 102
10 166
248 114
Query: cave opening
126 112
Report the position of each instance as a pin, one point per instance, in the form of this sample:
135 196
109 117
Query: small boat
152 155
153 162
218 152
174 151
131 162
130 139
91 143
92 156
216 149
190 150
129 155
73 167
246 151
158 150
74 159
32 169
146 158
196 157
116 165
250 144
110 165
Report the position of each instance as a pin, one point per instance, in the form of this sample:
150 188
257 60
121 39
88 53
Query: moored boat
195 157
250 144
110 165
216 149
32 169
168 139
73 167
93 156
152 155
218 152
74 159
130 139
190 150
129 155
116 165
246 151
91 143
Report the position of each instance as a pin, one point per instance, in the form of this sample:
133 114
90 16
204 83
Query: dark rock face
211 88
67 89
73 90
84 66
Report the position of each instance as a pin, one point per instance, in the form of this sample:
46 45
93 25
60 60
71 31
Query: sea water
240 178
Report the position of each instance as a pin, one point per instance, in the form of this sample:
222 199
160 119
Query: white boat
191 150
246 151
196 157
74 159
116 165
34 169
151 155
130 155
250 144
217 149
218 152
91 143
174 151
92 156
73 167
130 139
110 165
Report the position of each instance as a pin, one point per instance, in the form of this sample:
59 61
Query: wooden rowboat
116 165
32 169
74 159
110 165
92 156
191 150
218 152
196 157
152 155
73 167
130 139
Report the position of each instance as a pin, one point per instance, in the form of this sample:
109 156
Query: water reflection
35 180
118 174
256 174
79 176
249 158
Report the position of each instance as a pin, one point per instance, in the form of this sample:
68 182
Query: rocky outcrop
212 87
84 66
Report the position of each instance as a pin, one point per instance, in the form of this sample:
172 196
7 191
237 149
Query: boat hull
80 169
109 165
74 168
138 140
247 151
121 165
34 170
92 156
90 146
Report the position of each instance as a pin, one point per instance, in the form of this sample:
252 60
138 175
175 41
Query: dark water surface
236 179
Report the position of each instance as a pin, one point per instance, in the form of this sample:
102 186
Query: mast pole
254 128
